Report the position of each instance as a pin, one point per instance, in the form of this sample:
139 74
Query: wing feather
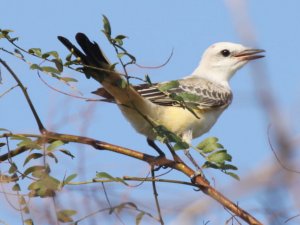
210 94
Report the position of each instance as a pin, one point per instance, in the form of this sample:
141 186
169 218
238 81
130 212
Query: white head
221 60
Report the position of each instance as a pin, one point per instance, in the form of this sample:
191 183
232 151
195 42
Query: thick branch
199 181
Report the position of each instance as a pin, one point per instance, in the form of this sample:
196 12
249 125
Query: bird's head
221 60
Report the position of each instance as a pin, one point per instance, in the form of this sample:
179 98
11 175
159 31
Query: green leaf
18 53
169 85
106 26
235 176
219 157
28 222
139 218
52 53
22 200
64 216
35 67
45 187
32 156
59 64
26 210
120 55
33 169
108 177
68 79
2 144
209 145
13 168
121 37
35 51
229 167
51 155
207 141
49 69
181 145
6 31
66 152
69 178
55 145
16 187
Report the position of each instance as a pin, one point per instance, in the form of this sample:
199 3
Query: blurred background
266 94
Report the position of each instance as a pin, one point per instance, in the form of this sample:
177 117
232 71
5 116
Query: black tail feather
91 56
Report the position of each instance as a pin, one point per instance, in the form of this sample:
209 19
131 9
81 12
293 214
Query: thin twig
158 180
155 194
275 154
156 67
10 89
24 90
109 204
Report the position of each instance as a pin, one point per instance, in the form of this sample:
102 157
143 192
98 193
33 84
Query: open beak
250 54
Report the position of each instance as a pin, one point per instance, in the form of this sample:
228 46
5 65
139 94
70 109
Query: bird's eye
225 52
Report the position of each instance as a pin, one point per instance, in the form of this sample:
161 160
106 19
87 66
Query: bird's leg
175 156
152 144
187 137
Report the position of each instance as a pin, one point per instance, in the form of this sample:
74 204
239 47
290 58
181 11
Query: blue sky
155 28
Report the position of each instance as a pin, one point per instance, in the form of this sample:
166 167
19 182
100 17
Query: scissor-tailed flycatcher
146 104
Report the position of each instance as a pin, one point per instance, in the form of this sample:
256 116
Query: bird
187 107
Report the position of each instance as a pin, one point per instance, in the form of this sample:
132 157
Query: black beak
250 54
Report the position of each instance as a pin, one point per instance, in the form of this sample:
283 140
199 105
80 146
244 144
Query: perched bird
206 92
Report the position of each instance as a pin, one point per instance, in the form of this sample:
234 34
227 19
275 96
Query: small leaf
35 67
52 53
26 210
229 167
16 187
169 85
54 145
68 79
219 156
59 64
51 155
121 37
28 222
108 177
13 168
69 178
2 144
106 26
32 156
49 69
32 169
67 153
35 51
235 176
18 53
64 216
139 218
120 55
181 145
22 200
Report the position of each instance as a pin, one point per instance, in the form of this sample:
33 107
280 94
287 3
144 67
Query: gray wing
199 92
